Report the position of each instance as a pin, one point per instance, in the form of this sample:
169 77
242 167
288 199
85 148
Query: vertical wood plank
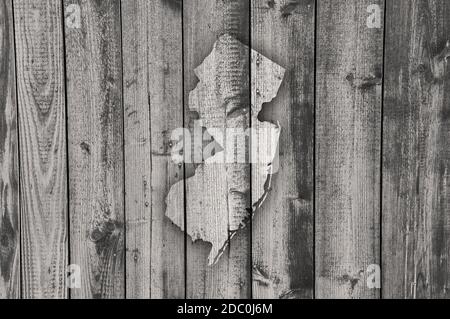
95 130
204 22
42 127
165 65
282 242
9 167
348 128
416 160
152 41
138 197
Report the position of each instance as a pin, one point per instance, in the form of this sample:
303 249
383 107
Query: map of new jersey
230 185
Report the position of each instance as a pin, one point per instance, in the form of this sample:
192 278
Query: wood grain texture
99 188
152 41
9 168
204 22
42 127
95 137
282 245
138 197
348 127
165 65
416 161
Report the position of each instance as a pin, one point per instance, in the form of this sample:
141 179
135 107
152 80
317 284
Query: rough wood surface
348 127
152 39
42 127
282 245
166 105
204 22
359 179
416 162
138 197
9 167
95 137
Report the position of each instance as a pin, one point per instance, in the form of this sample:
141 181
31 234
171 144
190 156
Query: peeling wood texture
42 127
9 168
282 246
416 158
348 145
204 22
220 183
95 137
152 38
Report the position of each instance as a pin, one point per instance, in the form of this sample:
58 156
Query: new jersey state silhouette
219 201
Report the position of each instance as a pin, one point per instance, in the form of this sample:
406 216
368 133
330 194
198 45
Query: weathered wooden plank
416 160
348 127
138 209
282 245
166 101
42 127
9 168
204 22
95 137
152 41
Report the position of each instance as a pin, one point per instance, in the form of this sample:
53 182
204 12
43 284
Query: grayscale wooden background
86 111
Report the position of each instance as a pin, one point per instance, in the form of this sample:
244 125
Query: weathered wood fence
90 91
